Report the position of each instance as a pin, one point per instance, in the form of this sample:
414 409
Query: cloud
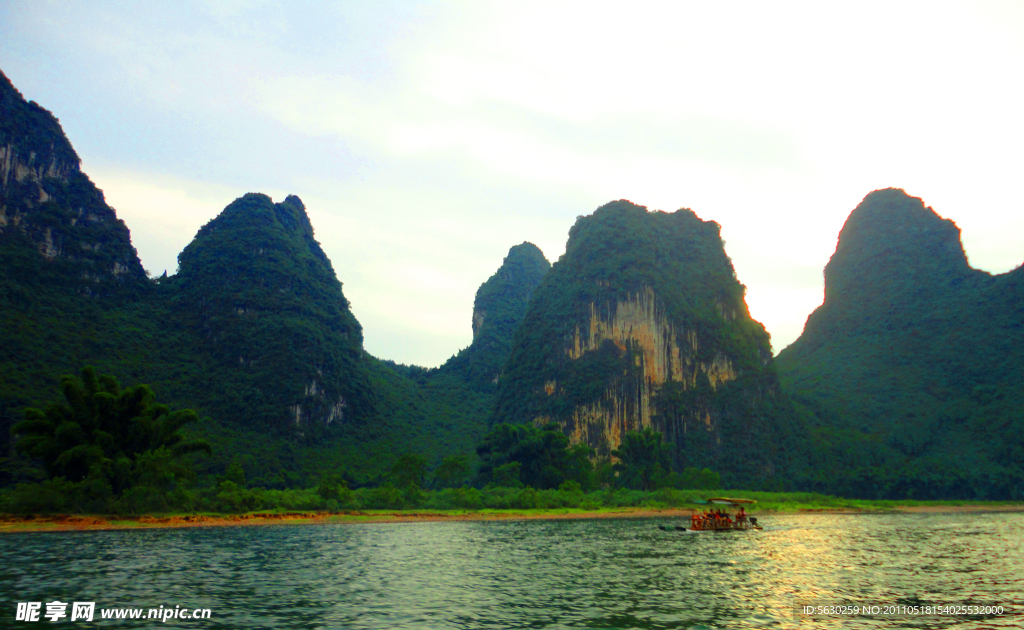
772 120
426 139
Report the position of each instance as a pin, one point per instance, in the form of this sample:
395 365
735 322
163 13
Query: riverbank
9 524
64 523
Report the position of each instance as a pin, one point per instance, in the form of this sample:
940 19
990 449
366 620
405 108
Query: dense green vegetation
106 448
253 333
541 457
517 455
644 459
909 374
615 255
229 497
493 501
498 310
906 382
152 337
116 451
268 321
65 262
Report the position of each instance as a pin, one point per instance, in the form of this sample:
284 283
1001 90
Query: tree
644 459
580 468
409 471
235 473
333 487
110 437
539 457
705 479
452 470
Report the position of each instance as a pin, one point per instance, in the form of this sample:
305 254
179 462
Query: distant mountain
271 323
499 308
254 331
643 323
913 363
905 382
66 261
47 205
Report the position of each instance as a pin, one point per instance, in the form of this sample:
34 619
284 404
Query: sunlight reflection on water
537 574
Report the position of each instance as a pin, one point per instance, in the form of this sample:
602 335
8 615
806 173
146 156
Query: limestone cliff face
318 407
31 169
33 147
641 321
44 196
660 353
643 324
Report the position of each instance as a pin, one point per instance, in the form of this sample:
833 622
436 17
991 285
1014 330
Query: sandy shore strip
58 523
64 523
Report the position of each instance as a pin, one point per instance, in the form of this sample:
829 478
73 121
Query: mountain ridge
48 204
904 383
642 323
259 292
909 368
499 307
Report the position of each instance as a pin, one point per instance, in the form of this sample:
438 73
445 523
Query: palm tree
101 431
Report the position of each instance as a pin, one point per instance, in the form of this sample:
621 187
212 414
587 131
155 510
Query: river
600 573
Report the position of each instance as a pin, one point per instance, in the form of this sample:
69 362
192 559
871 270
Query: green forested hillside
269 322
253 332
253 313
66 266
499 308
643 323
905 383
912 367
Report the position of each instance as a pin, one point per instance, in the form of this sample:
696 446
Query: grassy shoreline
61 522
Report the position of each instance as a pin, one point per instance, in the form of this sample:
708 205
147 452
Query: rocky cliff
48 204
643 323
499 308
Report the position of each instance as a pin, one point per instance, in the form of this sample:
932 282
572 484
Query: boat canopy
725 501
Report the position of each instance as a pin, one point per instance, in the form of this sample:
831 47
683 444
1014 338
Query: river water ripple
614 573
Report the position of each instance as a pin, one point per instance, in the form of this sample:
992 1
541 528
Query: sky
426 139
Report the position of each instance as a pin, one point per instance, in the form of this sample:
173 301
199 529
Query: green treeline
229 497
108 449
